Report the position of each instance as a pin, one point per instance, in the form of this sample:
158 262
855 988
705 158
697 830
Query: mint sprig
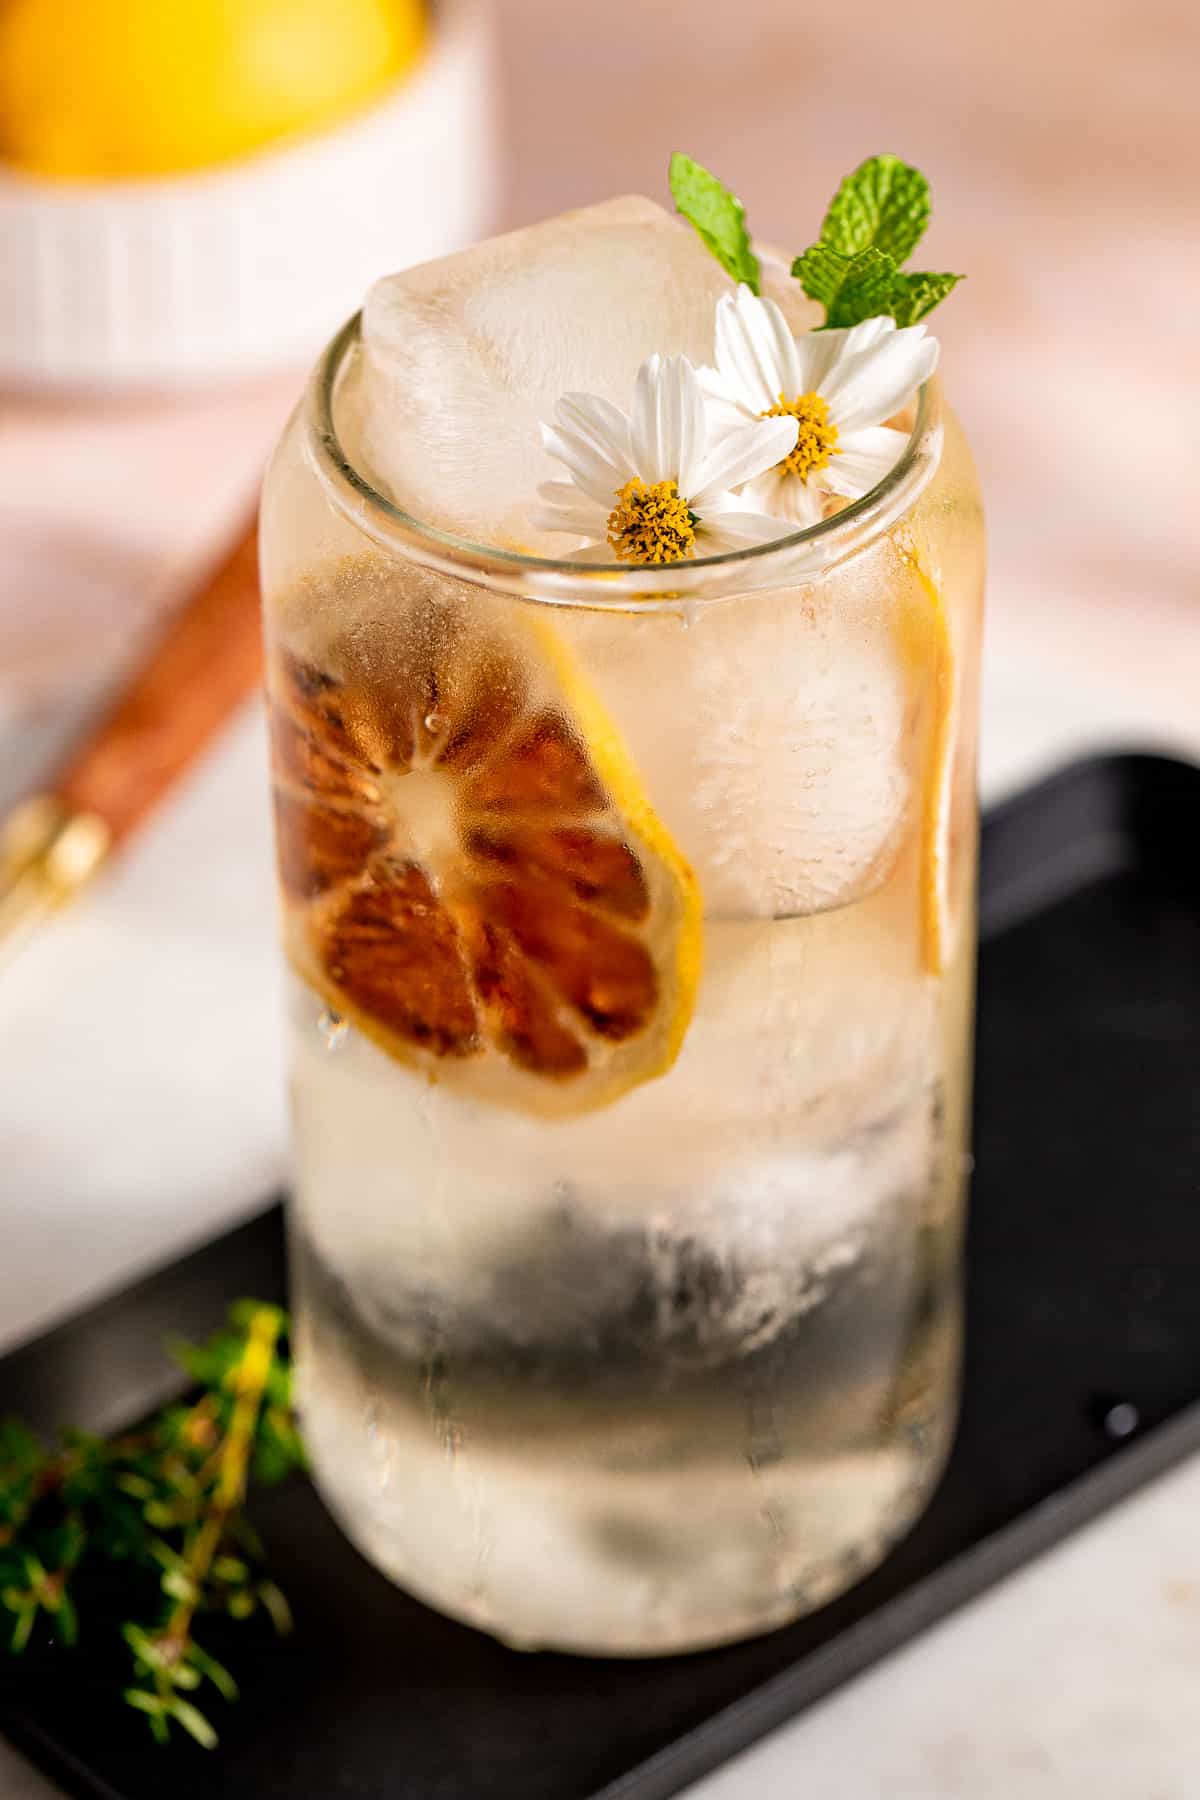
872 226
874 223
718 216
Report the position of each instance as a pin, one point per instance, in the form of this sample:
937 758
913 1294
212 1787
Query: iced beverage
628 914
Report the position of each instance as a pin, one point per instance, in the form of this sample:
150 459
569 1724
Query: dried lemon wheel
471 872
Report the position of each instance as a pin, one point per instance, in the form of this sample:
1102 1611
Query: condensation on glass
594 1357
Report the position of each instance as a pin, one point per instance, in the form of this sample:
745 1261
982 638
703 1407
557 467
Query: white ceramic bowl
173 281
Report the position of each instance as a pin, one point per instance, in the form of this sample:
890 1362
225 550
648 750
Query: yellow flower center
817 438
651 523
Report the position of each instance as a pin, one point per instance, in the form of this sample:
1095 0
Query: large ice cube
463 357
780 735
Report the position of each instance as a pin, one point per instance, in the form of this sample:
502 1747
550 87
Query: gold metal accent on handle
47 853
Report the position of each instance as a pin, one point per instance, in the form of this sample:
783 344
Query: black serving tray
1083 1369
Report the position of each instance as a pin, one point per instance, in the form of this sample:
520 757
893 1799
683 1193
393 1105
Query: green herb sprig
855 269
166 1502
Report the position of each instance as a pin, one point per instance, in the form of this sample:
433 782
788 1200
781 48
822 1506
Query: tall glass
629 916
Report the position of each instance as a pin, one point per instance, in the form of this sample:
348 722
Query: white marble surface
145 1110
142 1108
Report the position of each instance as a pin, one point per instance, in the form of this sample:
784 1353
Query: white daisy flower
839 386
655 487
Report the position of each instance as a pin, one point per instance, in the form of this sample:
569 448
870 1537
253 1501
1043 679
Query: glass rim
796 559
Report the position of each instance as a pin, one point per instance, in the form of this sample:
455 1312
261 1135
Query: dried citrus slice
471 872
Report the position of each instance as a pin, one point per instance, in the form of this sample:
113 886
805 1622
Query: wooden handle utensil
206 662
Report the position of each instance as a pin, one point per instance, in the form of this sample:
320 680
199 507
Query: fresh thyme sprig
165 1500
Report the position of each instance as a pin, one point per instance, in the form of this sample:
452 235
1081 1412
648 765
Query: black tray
1083 1351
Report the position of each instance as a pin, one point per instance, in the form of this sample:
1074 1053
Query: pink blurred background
1062 141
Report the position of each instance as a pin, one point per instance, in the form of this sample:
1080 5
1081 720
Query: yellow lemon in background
106 89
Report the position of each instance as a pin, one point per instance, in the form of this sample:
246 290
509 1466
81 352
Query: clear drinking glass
629 915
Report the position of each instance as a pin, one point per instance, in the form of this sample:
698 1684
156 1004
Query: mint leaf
883 205
868 286
917 293
867 290
875 220
718 217
850 288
